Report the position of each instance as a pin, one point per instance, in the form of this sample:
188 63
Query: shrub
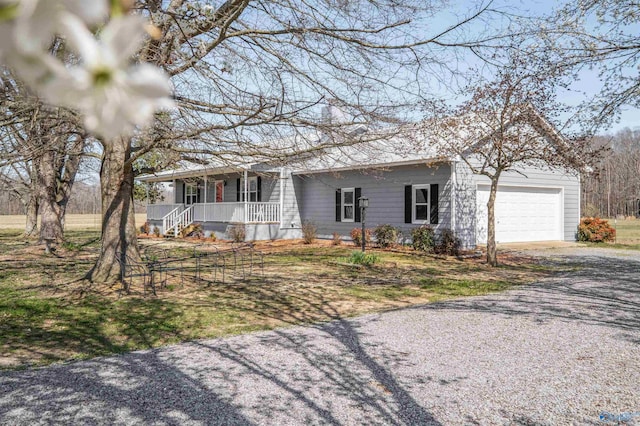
156 231
196 231
309 232
386 235
237 233
360 258
448 243
145 228
422 238
595 230
356 236
337 239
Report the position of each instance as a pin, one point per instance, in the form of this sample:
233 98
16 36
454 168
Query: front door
219 191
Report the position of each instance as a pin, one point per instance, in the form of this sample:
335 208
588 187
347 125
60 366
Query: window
252 191
190 194
348 204
421 204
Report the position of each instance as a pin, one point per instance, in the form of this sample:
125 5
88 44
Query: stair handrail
185 218
168 221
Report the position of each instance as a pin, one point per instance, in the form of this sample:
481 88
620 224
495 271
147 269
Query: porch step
171 234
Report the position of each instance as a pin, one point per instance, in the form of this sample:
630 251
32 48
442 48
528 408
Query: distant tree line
85 199
613 189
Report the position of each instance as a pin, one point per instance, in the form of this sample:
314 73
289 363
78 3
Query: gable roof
404 145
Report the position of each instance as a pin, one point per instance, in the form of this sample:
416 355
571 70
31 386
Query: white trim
454 194
205 188
245 197
426 161
342 204
281 196
413 204
579 197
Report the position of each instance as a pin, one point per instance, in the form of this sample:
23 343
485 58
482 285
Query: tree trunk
118 221
31 226
51 228
492 252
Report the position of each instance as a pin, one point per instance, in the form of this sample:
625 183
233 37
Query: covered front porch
216 197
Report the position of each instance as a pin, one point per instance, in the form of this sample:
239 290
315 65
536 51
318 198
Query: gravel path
559 352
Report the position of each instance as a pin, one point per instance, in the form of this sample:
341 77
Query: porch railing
263 212
235 212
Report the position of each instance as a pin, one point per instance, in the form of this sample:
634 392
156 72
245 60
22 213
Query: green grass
627 233
49 314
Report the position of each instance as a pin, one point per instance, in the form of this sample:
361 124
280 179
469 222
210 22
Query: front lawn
48 313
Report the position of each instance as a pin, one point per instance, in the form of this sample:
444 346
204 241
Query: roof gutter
375 166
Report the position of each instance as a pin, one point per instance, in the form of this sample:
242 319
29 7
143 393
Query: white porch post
205 189
281 194
246 196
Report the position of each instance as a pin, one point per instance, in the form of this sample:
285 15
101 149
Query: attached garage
522 214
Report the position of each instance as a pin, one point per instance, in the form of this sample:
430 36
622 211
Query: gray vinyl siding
291 201
545 178
385 190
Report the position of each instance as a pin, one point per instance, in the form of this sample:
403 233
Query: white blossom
113 96
29 26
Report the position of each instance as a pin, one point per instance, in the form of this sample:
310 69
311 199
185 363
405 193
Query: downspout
281 195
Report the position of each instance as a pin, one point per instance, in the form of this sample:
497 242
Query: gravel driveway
558 352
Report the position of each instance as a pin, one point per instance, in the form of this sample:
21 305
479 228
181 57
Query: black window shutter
433 203
259 196
407 203
338 205
358 194
184 192
238 189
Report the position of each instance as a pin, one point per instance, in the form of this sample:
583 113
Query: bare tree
503 127
593 36
40 152
252 71
614 188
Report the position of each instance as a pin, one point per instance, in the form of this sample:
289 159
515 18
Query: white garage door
522 214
